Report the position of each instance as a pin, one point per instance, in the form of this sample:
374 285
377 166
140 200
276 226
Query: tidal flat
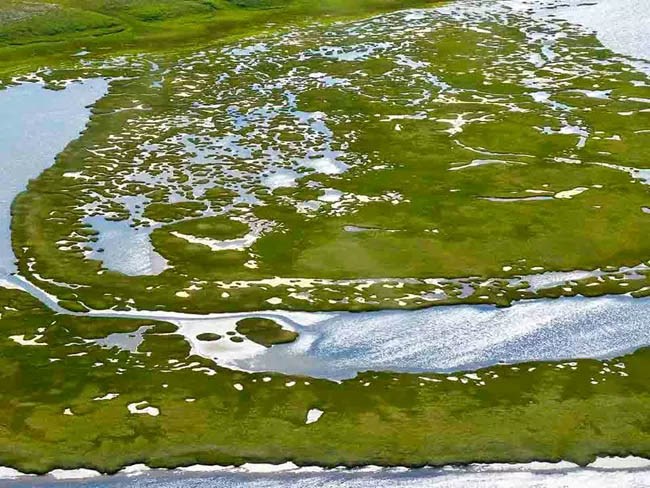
414 239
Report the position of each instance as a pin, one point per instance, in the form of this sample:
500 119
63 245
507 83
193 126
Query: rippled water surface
621 25
462 337
532 475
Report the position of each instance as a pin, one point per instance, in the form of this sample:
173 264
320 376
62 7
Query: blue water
35 125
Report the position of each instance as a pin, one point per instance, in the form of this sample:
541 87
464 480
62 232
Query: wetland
407 239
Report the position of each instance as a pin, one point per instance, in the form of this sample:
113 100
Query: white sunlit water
463 337
444 339
121 247
35 125
621 25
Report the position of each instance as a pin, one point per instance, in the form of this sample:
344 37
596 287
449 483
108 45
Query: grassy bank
456 166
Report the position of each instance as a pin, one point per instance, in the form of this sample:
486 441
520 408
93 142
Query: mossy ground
35 33
208 336
265 331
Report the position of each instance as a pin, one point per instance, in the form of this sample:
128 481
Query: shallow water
338 345
35 125
464 337
121 247
126 341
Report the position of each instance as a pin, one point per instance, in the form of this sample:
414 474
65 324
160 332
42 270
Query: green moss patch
170 212
265 331
217 228
208 337
571 410
438 198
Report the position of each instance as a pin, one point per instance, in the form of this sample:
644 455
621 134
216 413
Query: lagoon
35 125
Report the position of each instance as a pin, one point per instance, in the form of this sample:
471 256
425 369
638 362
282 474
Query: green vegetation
169 212
534 411
31 22
217 228
357 166
208 336
38 32
266 332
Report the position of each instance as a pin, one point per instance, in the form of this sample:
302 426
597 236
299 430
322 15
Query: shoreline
59 475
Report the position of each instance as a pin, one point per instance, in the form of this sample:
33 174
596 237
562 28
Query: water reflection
35 125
